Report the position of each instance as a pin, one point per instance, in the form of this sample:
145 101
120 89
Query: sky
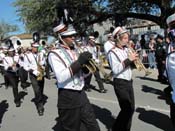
9 15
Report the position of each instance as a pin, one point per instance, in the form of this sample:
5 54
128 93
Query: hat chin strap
59 36
70 46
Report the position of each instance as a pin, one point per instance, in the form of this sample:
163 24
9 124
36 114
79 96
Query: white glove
36 73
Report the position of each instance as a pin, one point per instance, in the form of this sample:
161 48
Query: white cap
78 41
11 49
70 31
92 38
5 47
59 28
109 35
35 44
118 31
170 19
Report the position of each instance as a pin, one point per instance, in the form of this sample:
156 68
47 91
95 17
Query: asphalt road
151 114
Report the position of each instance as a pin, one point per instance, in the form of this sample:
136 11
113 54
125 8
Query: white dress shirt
9 61
116 59
108 45
60 65
31 60
93 51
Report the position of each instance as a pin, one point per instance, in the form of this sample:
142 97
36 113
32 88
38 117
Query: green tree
40 14
6 28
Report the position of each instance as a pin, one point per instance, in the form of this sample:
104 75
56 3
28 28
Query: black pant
23 75
74 110
161 69
38 87
98 79
47 70
124 92
172 113
13 81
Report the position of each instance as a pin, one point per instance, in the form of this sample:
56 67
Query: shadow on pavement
161 121
152 90
161 94
147 78
3 108
104 115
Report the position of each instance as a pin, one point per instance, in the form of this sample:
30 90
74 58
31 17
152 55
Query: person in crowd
92 48
34 64
143 42
151 54
121 59
160 54
11 67
170 64
74 107
23 74
109 44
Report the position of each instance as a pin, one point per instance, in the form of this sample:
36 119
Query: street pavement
151 114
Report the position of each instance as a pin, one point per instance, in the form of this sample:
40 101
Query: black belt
120 79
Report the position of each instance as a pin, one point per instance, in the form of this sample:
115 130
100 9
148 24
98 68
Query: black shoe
25 85
48 77
103 91
88 90
18 104
40 109
6 86
40 112
167 91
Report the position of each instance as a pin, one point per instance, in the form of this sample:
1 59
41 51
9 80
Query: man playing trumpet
121 59
73 104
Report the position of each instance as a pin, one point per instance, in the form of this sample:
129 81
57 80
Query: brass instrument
139 65
40 69
92 66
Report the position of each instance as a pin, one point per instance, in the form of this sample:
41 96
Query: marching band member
11 69
170 64
120 61
33 62
23 74
109 44
91 47
2 55
74 106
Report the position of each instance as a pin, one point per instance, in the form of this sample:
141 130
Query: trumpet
139 65
92 66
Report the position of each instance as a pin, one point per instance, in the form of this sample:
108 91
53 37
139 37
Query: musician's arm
116 65
6 65
61 72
